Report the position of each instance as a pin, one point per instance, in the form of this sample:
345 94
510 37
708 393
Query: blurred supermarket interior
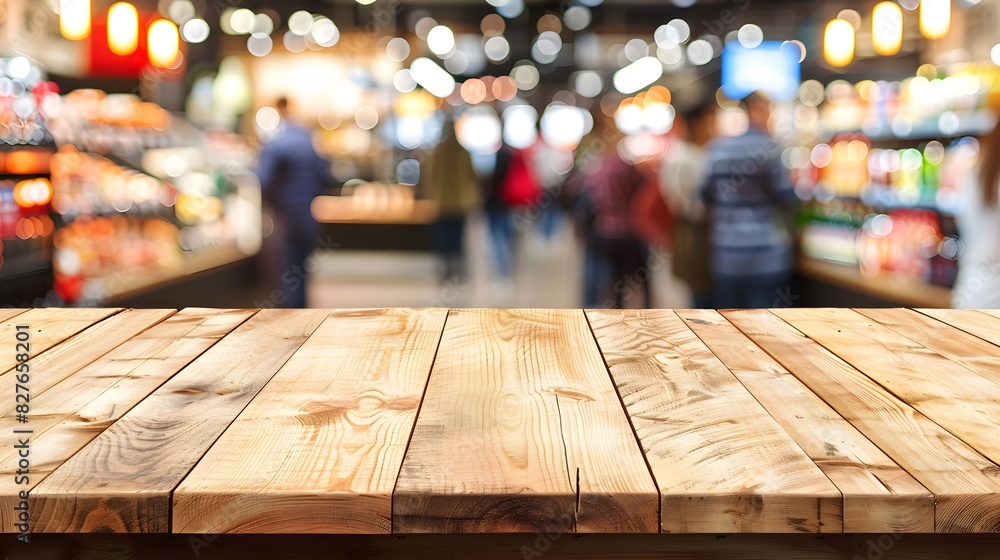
499 153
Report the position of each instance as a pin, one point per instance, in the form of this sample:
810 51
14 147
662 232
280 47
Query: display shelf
874 203
964 123
130 283
898 288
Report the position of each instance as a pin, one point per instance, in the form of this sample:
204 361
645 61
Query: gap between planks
420 407
631 425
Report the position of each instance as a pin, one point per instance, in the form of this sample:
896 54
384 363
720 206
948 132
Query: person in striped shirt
750 198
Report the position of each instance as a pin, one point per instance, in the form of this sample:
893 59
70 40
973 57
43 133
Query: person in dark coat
291 175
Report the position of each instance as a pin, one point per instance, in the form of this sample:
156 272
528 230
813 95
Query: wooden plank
122 480
958 346
521 430
964 403
722 464
49 327
79 351
965 484
979 323
879 496
318 450
6 314
76 410
991 312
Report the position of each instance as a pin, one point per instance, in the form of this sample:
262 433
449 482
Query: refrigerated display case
26 146
880 181
143 198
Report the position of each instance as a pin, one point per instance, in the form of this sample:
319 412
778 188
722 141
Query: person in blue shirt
750 197
291 175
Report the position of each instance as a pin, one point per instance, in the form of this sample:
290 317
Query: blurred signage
106 64
770 67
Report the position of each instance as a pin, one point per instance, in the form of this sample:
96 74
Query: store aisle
547 273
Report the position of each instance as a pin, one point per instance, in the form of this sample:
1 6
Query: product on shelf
111 249
882 177
103 123
160 192
26 103
930 104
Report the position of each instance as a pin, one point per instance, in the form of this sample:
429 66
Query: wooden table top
503 421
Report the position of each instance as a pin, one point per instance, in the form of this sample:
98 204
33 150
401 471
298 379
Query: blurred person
291 175
749 197
513 188
547 164
498 215
617 241
452 182
978 219
578 198
681 173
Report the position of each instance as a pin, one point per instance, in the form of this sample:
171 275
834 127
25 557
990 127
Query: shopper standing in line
578 198
750 198
291 175
617 240
978 220
452 182
681 174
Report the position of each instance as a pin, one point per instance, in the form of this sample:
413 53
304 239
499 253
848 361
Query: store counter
375 216
213 428
892 289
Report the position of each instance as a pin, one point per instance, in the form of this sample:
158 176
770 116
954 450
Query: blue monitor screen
770 68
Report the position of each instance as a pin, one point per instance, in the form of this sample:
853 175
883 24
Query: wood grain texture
965 484
879 496
959 400
521 430
991 312
122 480
318 450
7 314
722 464
69 357
74 411
49 327
979 323
960 347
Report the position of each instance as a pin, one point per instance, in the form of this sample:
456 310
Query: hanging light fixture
838 43
74 19
887 28
123 28
935 18
163 43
